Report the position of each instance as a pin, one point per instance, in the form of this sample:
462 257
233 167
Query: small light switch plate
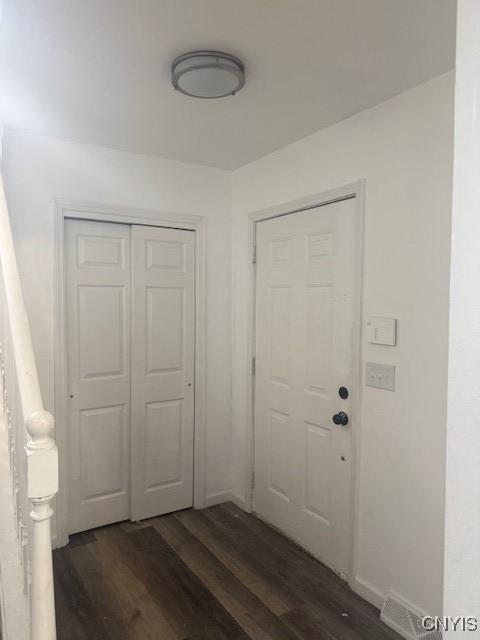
381 376
382 331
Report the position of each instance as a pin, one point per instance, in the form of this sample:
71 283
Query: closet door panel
98 310
163 370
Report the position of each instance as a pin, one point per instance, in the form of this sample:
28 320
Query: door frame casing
65 209
355 190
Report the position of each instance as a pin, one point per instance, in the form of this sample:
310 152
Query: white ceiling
97 71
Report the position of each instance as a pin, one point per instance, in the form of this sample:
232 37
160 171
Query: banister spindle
42 478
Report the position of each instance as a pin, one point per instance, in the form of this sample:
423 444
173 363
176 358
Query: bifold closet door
130 298
163 348
98 310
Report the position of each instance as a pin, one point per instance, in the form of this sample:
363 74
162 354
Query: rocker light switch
381 376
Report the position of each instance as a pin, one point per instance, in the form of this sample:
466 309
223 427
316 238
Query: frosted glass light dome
208 74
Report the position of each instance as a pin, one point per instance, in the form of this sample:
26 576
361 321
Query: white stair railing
32 461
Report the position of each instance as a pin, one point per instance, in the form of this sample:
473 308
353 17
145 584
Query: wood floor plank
256 619
305 627
179 593
99 592
69 623
77 616
305 562
277 541
326 621
139 564
248 568
85 537
144 620
213 575
319 587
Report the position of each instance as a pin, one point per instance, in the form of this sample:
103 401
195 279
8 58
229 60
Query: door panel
163 370
101 311
97 257
164 308
100 479
164 451
305 292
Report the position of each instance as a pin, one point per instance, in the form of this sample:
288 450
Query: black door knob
340 418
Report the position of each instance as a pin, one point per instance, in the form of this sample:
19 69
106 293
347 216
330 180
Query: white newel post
42 465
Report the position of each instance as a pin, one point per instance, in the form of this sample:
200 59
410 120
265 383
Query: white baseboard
240 502
59 541
227 496
217 498
367 591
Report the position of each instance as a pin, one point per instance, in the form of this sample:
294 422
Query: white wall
38 170
403 148
462 513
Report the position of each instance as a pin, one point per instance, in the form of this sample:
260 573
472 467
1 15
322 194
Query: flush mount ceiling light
208 74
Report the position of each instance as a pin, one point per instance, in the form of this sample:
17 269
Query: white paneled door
305 304
163 370
130 368
98 301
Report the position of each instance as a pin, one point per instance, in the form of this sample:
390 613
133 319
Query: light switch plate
381 376
382 331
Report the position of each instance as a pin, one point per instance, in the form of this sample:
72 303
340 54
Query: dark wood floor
202 575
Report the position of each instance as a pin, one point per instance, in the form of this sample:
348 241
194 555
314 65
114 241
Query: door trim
355 190
64 209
